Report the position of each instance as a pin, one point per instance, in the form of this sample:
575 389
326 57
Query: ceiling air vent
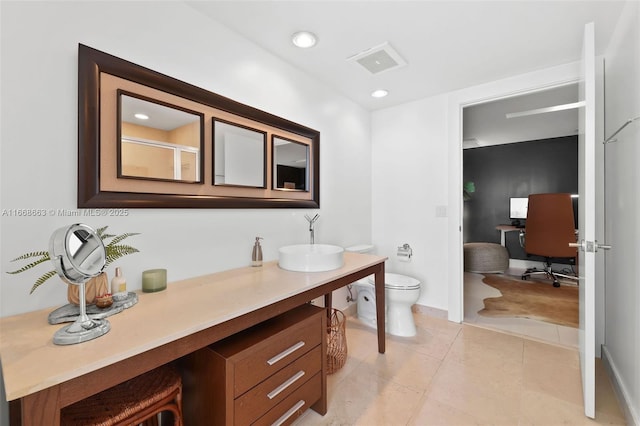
379 59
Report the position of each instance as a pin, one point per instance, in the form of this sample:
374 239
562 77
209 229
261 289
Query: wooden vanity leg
41 408
321 406
380 307
15 412
328 303
328 300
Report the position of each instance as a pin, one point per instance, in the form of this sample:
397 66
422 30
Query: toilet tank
361 248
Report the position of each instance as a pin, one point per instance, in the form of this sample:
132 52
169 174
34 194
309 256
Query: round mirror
78 254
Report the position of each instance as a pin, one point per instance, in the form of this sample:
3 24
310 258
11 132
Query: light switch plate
441 211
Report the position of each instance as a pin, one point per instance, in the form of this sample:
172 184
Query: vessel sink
310 257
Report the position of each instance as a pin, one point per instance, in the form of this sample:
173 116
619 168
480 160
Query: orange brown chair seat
549 229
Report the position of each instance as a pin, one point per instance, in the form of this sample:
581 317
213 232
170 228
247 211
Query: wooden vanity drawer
276 388
294 405
255 364
228 383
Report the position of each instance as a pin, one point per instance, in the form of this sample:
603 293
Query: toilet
401 293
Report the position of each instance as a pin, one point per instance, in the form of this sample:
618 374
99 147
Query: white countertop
31 362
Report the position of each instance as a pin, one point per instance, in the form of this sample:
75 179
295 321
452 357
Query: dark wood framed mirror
101 76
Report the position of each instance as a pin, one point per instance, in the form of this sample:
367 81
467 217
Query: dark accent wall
514 170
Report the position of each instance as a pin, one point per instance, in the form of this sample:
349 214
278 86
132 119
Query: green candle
154 280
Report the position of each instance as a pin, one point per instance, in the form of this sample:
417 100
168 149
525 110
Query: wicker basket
136 401
336 341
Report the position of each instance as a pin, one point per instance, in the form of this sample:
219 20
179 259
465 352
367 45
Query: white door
587 219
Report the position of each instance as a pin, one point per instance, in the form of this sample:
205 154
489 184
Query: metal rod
626 123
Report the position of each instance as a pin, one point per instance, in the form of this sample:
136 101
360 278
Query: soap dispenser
256 256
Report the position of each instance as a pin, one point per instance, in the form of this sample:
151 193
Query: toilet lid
397 281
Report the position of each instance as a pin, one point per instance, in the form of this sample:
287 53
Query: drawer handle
285 385
289 413
285 353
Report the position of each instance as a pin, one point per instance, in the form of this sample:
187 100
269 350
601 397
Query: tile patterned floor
459 374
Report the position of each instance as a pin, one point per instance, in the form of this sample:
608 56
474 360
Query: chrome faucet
311 220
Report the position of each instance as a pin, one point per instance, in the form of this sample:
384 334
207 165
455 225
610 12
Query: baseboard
523 264
432 312
351 310
624 398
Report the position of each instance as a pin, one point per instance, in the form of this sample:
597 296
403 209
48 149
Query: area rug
531 299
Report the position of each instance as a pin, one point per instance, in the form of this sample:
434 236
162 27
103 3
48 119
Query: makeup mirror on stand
78 255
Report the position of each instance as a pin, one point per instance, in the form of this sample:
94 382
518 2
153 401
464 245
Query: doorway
506 158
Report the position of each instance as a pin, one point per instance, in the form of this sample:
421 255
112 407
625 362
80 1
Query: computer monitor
518 208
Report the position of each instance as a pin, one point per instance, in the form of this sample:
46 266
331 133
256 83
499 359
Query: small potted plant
468 188
96 286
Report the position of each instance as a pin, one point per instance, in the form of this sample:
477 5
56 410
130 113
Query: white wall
39 140
622 180
410 178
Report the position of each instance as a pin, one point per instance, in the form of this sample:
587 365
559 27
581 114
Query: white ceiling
448 45
486 124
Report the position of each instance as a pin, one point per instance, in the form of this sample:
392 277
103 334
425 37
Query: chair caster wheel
556 284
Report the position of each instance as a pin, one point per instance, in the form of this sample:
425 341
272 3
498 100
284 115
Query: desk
504 229
41 378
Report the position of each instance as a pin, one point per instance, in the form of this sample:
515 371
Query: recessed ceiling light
141 116
380 93
304 39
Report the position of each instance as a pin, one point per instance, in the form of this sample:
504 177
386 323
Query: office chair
549 229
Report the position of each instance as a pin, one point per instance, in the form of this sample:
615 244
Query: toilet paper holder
405 251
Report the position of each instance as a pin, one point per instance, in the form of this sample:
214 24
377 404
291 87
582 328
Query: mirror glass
290 164
239 155
78 253
158 141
